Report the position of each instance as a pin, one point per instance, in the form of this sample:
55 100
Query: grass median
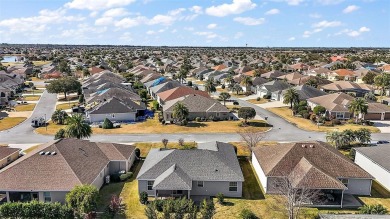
25 107
306 124
9 122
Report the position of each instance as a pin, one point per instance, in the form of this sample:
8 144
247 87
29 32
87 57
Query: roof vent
304 146
42 153
312 146
216 170
47 153
53 153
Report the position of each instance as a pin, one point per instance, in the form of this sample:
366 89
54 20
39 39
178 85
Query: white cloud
211 26
353 33
116 12
161 19
238 35
104 21
236 7
130 22
308 33
315 15
294 2
196 9
126 37
189 28
249 21
176 12
364 29
150 32
272 11
95 5
329 2
208 35
174 31
350 9
325 23
291 39
93 14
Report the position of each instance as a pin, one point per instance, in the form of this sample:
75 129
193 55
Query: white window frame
342 115
150 185
47 196
200 184
233 186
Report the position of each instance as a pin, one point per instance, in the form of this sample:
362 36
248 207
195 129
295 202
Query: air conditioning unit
107 180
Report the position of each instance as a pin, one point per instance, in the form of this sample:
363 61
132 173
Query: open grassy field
32 97
36 63
25 107
306 124
10 122
153 126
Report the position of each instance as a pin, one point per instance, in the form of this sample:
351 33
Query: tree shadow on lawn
195 125
258 124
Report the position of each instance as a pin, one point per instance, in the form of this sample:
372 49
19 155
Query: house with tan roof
51 170
178 92
346 87
8 155
312 165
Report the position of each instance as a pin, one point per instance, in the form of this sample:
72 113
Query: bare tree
165 142
181 142
251 137
296 196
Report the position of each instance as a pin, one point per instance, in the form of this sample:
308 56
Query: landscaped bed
9 122
306 124
25 107
153 126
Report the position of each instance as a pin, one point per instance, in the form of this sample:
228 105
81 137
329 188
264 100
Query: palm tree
237 88
77 127
291 96
312 82
59 116
358 106
247 82
229 79
336 138
209 86
363 135
370 96
180 112
182 75
224 96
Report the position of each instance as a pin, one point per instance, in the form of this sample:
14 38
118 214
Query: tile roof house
51 170
375 160
116 110
178 92
210 169
198 106
8 155
163 87
313 165
347 86
272 74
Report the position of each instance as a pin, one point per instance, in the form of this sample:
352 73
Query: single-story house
53 169
311 165
116 110
163 87
257 82
198 106
272 74
209 169
101 96
178 92
375 160
305 92
273 88
346 87
8 155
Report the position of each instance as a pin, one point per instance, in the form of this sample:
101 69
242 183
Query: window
345 182
47 196
339 115
8 159
113 115
233 186
200 183
150 185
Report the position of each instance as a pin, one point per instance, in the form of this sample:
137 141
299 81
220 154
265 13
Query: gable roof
333 102
115 105
305 92
378 154
165 86
173 178
275 86
119 93
317 161
180 92
76 162
196 103
197 164
7 151
345 85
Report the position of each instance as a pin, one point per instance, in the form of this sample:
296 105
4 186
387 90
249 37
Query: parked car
38 122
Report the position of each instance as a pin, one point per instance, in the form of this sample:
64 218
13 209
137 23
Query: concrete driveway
384 126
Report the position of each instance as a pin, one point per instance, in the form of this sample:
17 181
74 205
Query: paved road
23 133
282 130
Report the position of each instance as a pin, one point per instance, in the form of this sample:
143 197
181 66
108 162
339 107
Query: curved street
282 130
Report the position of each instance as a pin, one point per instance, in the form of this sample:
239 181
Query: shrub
197 119
373 209
350 121
137 152
302 103
189 83
35 209
247 214
220 198
107 124
83 199
211 118
313 117
223 86
319 110
60 134
159 203
336 122
163 122
258 99
143 198
126 176
236 103
247 93
302 108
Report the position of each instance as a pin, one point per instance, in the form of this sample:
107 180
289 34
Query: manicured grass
37 91
10 122
261 101
306 124
32 97
128 191
379 195
68 98
153 126
25 107
146 146
65 106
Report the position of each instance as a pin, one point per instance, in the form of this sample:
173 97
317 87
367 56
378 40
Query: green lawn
31 97
25 107
10 122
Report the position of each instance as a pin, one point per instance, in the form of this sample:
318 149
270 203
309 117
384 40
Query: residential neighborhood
186 117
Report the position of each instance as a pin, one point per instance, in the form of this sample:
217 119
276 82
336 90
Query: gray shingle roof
198 164
173 178
378 154
165 86
196 103
115 105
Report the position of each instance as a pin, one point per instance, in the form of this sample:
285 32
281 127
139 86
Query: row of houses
10 84
53 169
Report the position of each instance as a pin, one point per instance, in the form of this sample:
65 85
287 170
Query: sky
256 23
